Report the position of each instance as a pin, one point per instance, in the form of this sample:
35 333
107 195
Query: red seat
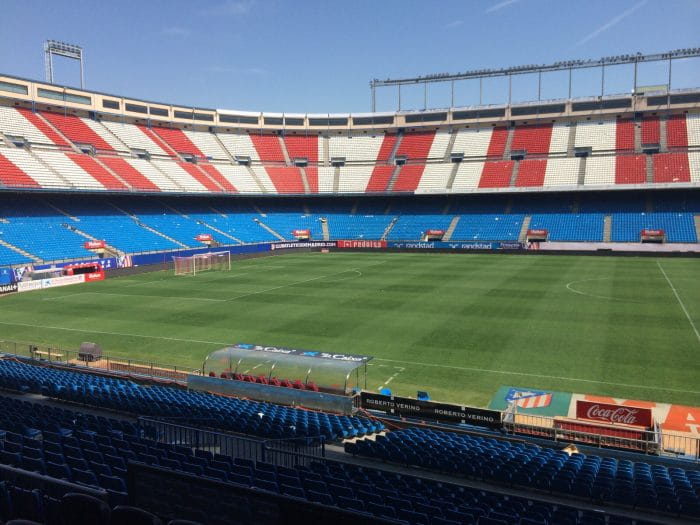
534 139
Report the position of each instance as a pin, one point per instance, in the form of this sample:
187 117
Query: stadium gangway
280 452
49 484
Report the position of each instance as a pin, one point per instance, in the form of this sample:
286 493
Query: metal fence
647 442
282 452
130 367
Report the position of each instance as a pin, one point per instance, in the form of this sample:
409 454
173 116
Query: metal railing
281 452
130 367
655 442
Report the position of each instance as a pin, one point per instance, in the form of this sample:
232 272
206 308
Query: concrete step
450 145
451 228
453 174
151 229
663 137
59 210
394 176
256 179
284 150
509 143
638 135
582 171
650 168
399 137
571 144
525 227
697 227
57 131
336 179
514 174
266 227
112 172
388 229
20 251
325 148
305 181
50 168
112 251
607 228
326 230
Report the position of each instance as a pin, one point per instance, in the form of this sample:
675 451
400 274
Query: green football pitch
456 325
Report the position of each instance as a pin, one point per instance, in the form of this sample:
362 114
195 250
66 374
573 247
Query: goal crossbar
202 262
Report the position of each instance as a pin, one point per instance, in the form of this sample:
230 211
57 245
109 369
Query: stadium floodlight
72 51
202 262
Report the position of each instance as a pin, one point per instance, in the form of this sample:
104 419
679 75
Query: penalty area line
539 376
135 295
121 334
680 302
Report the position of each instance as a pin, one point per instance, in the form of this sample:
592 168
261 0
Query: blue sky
318 56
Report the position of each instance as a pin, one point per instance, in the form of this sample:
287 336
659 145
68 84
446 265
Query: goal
202 262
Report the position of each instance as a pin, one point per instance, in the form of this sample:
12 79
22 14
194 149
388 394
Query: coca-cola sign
616 414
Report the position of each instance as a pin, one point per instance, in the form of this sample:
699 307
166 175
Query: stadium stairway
257 180
509 143
19 251
111 251
305 180
140 223
522 237
326 231
161 234
607 228
285 152
450 146
270 230
394 176
697 226
453 176
388 229
50 169
451 228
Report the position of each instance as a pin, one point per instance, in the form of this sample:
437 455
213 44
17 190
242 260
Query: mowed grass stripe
464 312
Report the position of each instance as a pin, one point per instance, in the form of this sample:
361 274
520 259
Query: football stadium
483 313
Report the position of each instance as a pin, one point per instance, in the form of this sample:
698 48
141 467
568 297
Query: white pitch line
121 334
539 376
678 298
607 297
289 284
135 295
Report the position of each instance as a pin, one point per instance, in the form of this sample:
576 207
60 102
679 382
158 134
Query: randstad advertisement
456 245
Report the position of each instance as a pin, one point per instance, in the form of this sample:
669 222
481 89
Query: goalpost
202 262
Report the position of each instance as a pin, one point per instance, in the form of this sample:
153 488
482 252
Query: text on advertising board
608 413
407 407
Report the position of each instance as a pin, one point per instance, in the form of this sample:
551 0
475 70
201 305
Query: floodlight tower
54 47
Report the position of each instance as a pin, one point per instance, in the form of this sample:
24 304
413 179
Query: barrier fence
280 452
648 441
130 367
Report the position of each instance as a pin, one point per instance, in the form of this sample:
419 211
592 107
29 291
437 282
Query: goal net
202 262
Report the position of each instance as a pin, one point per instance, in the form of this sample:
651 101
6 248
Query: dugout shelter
330 372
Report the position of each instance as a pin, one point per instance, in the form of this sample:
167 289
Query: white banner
26 286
